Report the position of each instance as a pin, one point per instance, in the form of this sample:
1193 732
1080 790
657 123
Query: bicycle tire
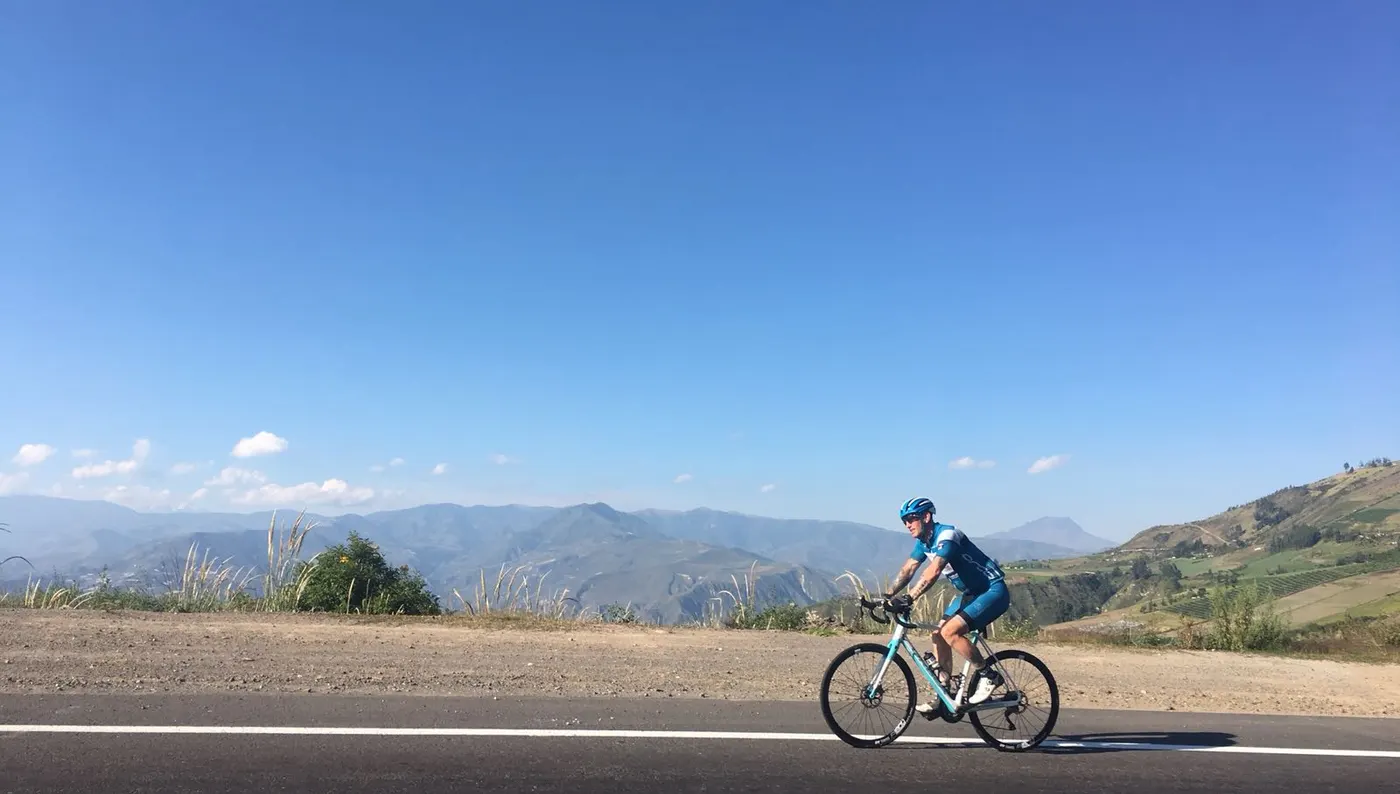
898 663
1020 747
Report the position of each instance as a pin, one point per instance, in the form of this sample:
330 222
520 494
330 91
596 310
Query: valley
1317 558
663 566
1319 563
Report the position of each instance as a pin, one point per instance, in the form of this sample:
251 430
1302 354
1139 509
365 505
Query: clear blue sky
822 247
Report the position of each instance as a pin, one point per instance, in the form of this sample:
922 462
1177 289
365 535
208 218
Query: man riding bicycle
982 594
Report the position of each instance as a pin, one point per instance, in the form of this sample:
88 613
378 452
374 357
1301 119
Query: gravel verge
95 651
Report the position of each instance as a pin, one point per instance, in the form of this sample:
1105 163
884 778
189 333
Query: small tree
1171 575
354 577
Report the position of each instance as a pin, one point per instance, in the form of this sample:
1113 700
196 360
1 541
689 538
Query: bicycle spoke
1025 723
864 715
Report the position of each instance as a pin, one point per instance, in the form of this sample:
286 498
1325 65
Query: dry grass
199 584
510 597
6 529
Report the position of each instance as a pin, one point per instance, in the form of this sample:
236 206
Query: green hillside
1353 503
1336 530
1323 545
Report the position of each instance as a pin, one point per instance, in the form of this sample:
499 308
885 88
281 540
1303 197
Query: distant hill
62 531
590 553
672 566
669 565
1320 549
865 550
1055 531
1349 502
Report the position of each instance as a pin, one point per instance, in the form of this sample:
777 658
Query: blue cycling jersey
969 569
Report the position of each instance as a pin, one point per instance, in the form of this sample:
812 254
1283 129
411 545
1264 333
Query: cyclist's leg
954 636
988 607
975 614
979 614
940 645
943 656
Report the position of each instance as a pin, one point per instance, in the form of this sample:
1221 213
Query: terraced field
1337 597
1281 585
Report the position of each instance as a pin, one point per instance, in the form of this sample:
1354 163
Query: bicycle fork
900 638
895 640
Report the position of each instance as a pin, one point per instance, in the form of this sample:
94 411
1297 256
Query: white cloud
107 468
232 475
971 463
143 497
11 483
501 460
378 467
1048 463
183 468
140 497
769 487
441 468
84 453
331 492
33 454
680 478
263 443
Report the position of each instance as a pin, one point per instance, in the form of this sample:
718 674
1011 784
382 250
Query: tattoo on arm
906 572
930 576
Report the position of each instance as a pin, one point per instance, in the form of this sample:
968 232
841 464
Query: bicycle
1014 700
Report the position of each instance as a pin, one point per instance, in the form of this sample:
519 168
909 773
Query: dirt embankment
79 651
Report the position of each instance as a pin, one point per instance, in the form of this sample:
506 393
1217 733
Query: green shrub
1243 620
618 613
354 577
787 617
1008 629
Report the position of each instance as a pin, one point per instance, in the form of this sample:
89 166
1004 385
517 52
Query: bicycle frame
900 639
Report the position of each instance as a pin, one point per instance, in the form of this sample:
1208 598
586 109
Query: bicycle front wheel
878 714
1011 729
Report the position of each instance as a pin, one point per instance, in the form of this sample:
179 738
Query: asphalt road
772 747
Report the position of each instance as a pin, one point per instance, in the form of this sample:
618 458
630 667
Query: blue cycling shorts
984 608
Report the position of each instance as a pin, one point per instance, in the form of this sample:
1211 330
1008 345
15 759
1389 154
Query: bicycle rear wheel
1030 678
886 710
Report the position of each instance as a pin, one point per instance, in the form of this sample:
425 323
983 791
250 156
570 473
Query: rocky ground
94 651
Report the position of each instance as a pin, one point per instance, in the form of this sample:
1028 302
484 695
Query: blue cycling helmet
916 506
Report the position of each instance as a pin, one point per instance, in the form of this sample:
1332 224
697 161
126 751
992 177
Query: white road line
587 733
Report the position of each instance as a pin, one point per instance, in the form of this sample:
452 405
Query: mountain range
668 565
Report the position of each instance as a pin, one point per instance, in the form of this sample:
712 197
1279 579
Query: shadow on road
1077 744
1109 742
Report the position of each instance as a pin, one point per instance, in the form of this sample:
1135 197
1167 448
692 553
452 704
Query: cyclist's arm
930 576
906 572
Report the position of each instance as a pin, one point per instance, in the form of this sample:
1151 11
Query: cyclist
982 594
